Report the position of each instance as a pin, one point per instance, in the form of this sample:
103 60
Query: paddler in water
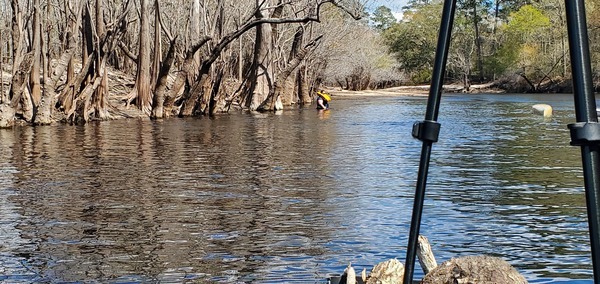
323 100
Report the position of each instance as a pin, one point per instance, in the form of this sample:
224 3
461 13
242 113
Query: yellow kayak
326 97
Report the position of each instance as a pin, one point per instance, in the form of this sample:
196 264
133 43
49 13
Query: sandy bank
389 92
420 90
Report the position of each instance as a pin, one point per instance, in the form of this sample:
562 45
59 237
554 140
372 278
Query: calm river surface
294 197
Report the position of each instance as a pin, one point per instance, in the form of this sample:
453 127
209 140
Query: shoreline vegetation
509 84
416 90
80 61
120 86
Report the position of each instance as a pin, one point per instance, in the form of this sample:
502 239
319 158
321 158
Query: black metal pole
428 131
586 132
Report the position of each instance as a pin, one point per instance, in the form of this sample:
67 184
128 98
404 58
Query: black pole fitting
585 130
585 133
426 130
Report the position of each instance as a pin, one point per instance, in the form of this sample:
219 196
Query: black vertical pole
428 131
586 131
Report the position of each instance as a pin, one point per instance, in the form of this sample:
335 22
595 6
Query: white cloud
399 15
395 6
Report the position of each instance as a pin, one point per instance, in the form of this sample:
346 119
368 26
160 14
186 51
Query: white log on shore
543 109
425 255
466 269
390 271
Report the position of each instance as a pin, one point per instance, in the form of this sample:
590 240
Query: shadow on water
293 196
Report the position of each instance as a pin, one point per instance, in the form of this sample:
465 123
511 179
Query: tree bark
161 86
69 94
87 41
3 95
214 94
425 255
7 109
261 78
157 47
142 83
65 100
34 79
190 99
303 88
44 114
99 98
195 29
7 113
273 101
191 102
478 42
99 101
184 76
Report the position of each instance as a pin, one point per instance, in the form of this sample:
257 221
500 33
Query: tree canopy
383 18
490 40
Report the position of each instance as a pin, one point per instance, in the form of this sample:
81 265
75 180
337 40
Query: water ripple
247 198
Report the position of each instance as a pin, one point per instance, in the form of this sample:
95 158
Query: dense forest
72 60
519 45
77 60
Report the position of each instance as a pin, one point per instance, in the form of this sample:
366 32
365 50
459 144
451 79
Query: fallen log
466 269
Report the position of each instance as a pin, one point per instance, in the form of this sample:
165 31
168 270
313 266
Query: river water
292 197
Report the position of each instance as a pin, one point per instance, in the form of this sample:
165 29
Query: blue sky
394 5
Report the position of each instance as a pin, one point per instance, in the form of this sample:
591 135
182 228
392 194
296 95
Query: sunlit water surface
292 197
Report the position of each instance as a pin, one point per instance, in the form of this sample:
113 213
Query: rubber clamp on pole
426 130
585 133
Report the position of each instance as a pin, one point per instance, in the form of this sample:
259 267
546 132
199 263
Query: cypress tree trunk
142 82
44 115
20 68
160 93
34 78
261 78
99 101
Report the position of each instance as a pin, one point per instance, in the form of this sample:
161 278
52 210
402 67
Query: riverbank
419 90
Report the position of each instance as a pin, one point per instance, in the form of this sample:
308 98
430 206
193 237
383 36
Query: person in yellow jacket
323 100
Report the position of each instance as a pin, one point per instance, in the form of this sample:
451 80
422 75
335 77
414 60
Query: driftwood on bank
479 269
425 255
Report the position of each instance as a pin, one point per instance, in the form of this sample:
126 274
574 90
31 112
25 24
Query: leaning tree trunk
262 60
183 79
191 103
160 93
273 101
290 96
198 99
302 86
213 100
160 90
85 95
209 96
